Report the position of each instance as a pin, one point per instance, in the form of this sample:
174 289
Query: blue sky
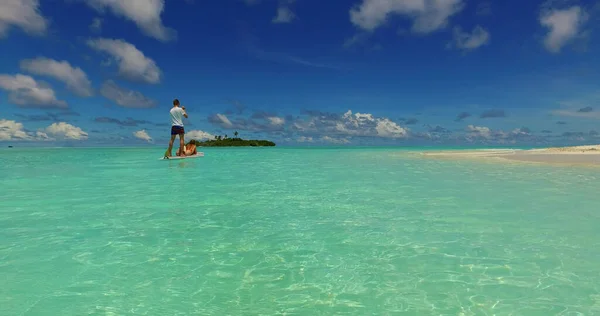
389 72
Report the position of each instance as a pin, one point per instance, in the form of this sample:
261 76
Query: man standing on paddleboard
177 114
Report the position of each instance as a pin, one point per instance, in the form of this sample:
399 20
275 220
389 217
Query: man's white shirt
176 114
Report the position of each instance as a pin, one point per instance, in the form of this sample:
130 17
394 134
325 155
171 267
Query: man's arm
184 112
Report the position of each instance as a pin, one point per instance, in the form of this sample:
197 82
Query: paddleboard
199 154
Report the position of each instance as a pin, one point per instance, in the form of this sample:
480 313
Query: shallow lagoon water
294 231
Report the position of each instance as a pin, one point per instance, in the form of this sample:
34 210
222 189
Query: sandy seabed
576 155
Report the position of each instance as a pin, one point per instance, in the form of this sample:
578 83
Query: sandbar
588 155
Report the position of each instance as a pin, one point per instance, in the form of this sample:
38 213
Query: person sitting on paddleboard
177 114
189 149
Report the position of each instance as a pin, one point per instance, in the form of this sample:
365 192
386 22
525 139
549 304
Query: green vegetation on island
224 141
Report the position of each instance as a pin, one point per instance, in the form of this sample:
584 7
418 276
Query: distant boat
9 146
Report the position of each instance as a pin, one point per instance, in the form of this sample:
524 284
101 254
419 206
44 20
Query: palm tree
235 134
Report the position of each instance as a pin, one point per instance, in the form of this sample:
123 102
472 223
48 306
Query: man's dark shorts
176 130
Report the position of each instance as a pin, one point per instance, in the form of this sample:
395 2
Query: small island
224 141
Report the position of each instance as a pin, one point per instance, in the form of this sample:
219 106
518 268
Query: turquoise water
286 231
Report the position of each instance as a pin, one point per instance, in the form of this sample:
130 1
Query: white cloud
364 123
386 128
145 13
66 131
277 121
12 130
133 64
198 135
349 124
75 79
427 15
223 120
143 135
520 132
24 14
259 121
284 11
563 25
305 139
96 25
479 131
335 140
27 92
125 97
470 41
305 126
515 133
42 136
284 15
15 131
487 134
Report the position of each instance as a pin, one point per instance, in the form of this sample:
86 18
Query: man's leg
170 150
182 144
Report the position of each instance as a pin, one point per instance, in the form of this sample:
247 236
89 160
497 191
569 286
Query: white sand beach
575 155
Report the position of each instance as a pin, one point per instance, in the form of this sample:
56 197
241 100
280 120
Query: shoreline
588 155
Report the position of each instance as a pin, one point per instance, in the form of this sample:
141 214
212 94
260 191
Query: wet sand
576 155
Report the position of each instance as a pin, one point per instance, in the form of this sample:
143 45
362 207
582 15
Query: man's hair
176 102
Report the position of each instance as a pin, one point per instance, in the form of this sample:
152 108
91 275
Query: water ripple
293 232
